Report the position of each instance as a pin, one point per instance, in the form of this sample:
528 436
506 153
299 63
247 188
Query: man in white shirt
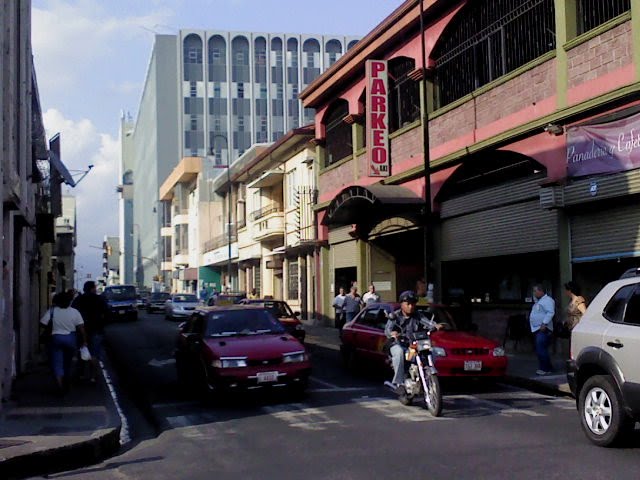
338 305
371 296
541 321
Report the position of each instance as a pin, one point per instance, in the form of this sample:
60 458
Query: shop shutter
508 230
516 191
610 233
344 254
338 235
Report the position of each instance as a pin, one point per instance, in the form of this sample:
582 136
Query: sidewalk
520 371
43 433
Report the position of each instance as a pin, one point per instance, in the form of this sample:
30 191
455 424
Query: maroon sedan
224 348
456 353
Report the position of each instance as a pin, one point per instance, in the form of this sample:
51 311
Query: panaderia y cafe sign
604 148
377 120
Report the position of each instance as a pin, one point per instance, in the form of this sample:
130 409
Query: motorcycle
421 376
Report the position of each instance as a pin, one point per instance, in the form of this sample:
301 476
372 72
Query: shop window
489 39
294 277
593 13
404 94
339 141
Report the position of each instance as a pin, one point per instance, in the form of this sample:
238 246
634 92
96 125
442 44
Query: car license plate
472 366
267 377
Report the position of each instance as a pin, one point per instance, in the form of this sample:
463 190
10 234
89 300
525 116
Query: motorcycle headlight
229 363
299 327
498 352
438 352
294 357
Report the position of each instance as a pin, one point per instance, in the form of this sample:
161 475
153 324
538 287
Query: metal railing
264 211
593 13
219 241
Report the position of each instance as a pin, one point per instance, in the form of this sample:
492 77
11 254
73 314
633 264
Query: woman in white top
65 322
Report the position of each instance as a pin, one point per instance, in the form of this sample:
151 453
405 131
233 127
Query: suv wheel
602 415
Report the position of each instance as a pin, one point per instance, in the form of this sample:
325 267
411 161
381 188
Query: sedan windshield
185 299
120 293
242 322
439 315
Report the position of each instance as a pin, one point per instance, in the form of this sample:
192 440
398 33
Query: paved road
347 428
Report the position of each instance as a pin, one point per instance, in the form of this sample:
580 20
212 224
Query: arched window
310 60
240 60
277 89
488 39
339 143
192 58
217 59
404 93
333 51
351 44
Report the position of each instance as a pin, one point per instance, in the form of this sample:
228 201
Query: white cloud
69 37
97 201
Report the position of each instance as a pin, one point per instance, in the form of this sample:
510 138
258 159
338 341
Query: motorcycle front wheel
433 396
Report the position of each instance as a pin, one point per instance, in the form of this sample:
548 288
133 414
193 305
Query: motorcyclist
401 323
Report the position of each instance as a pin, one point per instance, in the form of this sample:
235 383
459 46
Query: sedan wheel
603 418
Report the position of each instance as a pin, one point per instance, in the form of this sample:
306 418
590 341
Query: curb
537 386
63 458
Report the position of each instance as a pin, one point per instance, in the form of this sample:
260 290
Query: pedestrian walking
338 306
64 321
577 305
352 304
541 321
371 296
94 311
253 295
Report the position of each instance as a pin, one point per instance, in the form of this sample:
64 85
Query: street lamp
229 191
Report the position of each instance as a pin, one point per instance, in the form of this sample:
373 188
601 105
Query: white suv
604 370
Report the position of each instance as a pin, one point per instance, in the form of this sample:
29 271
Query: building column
565 266
324 280
635 27
566 29
363 277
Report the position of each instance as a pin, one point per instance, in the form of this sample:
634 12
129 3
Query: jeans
397 362
95 345
63 348
542 350
350 315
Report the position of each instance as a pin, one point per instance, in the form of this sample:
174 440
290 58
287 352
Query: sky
91 58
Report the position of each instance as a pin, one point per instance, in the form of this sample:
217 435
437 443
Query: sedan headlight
498 352
299 327
294 357
438 352
230 362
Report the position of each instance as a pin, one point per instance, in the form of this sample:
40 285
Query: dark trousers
542 350
340 319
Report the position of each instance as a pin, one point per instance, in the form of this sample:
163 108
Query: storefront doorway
344 278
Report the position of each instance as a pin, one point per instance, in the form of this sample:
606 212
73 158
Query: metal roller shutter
344 255
508 230
606 234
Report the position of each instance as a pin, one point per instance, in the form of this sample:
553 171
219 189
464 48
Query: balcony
166 232
181 258
166 266
269 226
219 241
265 212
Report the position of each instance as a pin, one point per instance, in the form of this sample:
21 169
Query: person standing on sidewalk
541 321
352 304
371 296
338 306
93 309
65 322
577 305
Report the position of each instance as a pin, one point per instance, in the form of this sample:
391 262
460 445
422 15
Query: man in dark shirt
93 309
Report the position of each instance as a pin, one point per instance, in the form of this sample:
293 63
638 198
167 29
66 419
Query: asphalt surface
348 427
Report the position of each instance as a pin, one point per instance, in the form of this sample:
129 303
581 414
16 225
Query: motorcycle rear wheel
433 396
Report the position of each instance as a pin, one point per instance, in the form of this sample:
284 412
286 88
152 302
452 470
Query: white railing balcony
269 226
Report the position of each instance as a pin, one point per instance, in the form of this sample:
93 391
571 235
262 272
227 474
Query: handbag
46 331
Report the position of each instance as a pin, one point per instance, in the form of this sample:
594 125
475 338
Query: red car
224 348
282 311
457 353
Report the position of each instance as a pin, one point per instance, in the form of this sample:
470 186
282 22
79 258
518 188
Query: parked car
603 372
122 302
157 301
235 347
225 299
457 353
180 305
282 311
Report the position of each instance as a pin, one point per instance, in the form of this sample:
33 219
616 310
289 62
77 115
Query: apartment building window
217 90
291 188
194 122
339 141
193 89
215 55
240 58
278 58
217 124
240 90
294 92
310 60
488 39
263 91
264 124
593 13
279 91
240 124
404 94
293 275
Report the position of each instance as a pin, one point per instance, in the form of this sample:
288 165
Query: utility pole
428 234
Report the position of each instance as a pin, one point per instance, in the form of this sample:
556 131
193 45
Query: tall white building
213 94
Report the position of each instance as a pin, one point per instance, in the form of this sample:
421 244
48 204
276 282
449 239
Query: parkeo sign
377 120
